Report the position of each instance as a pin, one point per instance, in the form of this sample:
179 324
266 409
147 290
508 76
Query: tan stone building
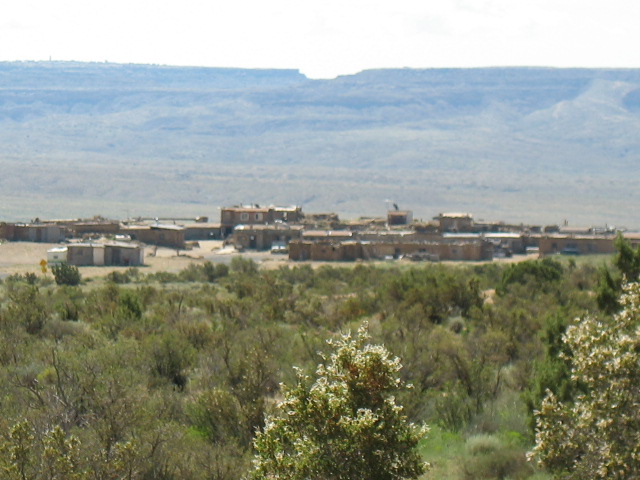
202 231
172 236
78 229
327 250
455 222
32 232
399 217
231 217
349 250
264 237
576 244
104 254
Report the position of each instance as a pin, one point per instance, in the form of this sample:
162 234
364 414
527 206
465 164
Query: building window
244 216
258 216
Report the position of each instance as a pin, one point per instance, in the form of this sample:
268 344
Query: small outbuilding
104 254
57 255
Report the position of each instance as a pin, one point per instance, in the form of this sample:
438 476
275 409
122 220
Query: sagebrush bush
488 457
483 444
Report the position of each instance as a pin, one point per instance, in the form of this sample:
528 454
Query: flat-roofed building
399 217
172 236
327 235
264 237
348 250
38 232
231 217
104 254
57 255
202 231
455 222
576 244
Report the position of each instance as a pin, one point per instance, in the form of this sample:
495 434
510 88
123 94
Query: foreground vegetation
170 376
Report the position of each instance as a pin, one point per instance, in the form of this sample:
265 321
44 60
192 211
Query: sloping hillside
523 145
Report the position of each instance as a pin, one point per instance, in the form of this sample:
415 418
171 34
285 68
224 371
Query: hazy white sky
325 38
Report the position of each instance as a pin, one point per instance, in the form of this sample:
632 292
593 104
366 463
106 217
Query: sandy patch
25 257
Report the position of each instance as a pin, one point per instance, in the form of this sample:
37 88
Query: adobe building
399 217
231 217
471 250
327 235
511 242
455 222
319 221
78 229
38 232
171 236
55 231
202 231
389 236
102 254
7 231
264 237
327 251
633 238
576 244
350 250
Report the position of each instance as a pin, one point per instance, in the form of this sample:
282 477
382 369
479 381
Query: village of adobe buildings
277 235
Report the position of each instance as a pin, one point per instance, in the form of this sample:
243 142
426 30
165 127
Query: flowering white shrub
598 436
344 425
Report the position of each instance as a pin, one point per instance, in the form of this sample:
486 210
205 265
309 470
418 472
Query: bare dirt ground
24 257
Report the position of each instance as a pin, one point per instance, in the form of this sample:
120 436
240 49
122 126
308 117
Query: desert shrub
344 425
595 435
163 277
26 307
205 272
489 457
483 444
118 277
552 373
243 265
539 274
453 408
170 357
67 310
218 416
198 333
28 278
506 414
456 324
438 293
66 274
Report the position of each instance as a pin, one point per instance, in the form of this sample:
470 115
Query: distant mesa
524 144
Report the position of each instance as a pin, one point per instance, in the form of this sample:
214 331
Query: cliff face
523 144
